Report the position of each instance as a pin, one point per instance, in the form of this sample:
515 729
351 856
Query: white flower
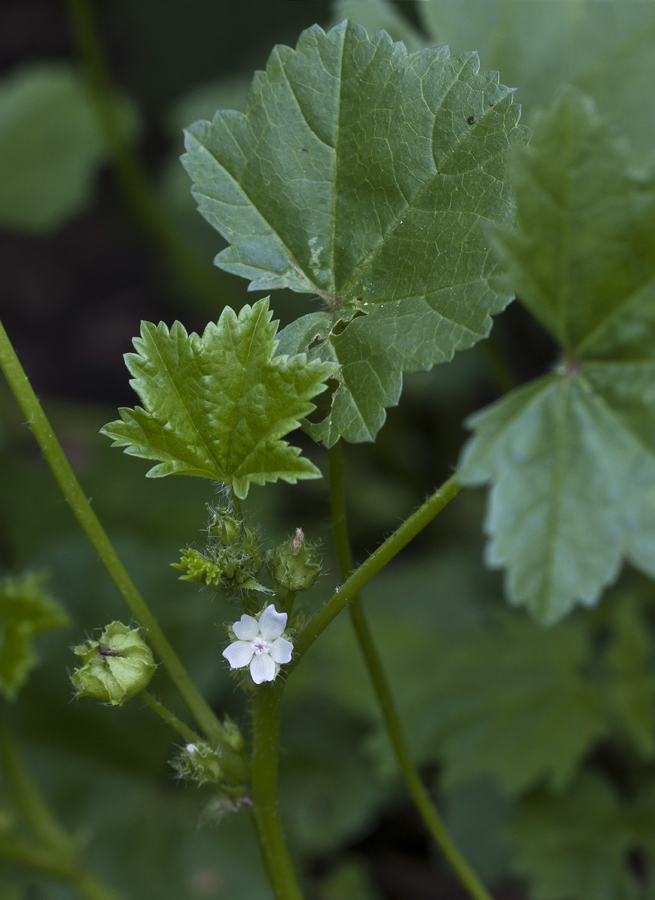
259 645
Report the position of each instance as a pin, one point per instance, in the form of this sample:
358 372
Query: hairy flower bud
116 667
199 762
294 564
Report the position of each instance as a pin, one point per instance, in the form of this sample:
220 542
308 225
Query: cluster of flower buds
232 558
294 566
116 667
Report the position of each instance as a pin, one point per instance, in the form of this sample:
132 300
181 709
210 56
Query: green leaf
632 690
26 609
572 456
218 405
365 175
577 844
50 147
605 49
510 702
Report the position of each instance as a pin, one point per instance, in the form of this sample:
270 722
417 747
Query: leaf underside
217 405
364 175
571 457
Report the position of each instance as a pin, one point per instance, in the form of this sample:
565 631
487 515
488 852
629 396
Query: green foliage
218 405
580 844
50 147
26 610
116 667
572 456
606 49
358 215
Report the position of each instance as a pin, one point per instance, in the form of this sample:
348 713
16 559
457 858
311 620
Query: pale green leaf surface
572 456
385 217
50 147
606 49
26 610
576 845
218 405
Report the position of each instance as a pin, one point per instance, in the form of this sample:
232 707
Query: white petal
262 668
272 623
281 651
239 654
246 629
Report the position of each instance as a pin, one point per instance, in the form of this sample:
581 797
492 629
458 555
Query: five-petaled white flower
259 645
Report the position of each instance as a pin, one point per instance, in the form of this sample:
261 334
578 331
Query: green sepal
200 763
26 610
116 667
294 566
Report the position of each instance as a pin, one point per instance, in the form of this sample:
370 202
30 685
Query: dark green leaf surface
578 844
26 610
572 456
365 175
218 405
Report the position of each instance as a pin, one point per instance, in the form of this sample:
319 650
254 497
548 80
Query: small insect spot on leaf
471 120
491 104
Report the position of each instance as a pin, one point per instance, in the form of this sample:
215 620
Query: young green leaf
26 609
365 175
218 405
572 456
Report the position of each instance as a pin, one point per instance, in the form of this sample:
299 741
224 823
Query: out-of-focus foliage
51 146
571 456
26 610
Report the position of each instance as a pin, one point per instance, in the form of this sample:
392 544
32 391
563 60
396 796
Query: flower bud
200 763
294 564
116 667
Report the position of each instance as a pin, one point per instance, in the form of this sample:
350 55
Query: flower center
260 646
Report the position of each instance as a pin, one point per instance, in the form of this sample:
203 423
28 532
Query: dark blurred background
84 257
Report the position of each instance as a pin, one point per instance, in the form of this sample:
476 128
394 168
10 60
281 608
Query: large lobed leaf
572 456
218 405
365 175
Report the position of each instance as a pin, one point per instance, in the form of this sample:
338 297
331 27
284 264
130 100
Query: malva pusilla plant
399 192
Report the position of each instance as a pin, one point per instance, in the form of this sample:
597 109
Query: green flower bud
116 667
198 568
232 735
199 762
225 527
294 564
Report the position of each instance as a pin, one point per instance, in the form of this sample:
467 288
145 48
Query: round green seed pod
116 667
294 564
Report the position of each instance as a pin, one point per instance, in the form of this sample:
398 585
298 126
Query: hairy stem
266 734
77 500
376 561
205 281
382 689
169 717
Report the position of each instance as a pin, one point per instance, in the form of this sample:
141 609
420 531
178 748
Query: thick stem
382 689
266 734
205 281
376 561
76 498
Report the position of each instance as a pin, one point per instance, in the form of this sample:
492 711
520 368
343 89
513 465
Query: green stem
57 857
94 531
382 689
266 734
376 561
169 717
29 800
205 281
